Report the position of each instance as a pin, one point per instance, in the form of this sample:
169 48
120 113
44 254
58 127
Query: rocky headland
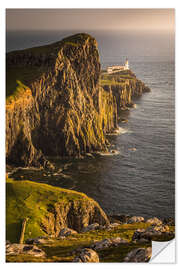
60 104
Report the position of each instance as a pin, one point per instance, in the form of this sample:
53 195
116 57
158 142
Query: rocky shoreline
64 225
137 247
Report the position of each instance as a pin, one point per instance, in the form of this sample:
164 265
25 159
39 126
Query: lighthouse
126 64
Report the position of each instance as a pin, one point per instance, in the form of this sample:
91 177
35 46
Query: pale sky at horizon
90 19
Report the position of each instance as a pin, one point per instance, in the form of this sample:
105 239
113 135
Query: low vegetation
26 199
116 79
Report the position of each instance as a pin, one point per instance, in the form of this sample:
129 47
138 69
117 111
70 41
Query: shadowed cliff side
56 106
56 103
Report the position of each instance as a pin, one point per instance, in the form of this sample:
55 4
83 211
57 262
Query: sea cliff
59 103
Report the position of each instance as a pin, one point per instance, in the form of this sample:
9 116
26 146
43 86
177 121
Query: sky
90 19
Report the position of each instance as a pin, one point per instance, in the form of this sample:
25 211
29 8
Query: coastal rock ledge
59 103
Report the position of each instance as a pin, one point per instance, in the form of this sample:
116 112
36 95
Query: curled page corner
163 252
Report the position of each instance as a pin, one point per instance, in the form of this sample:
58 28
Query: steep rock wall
60 108
64 111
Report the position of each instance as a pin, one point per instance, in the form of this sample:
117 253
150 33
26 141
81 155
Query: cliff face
57 105
124 86
48 209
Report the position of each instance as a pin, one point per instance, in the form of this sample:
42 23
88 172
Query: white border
79 4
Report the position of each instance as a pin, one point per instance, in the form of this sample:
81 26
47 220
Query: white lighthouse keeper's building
113 69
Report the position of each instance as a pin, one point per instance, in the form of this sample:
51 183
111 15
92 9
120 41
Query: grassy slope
26 199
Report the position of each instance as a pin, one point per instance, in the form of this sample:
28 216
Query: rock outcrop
152 233
56 103
67 231
87 255
139 255
135 219
106 243
32 250
154 221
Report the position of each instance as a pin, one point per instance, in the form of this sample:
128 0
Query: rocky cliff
48 209
58 104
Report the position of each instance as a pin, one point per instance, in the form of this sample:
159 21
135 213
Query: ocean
140 179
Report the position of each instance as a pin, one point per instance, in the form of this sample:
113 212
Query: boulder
91 227
87 255
117 240
150 232
120 218
135 219
139 255
16 249
161 228
106 243
154 221
138 234
39 240
67 232
112 226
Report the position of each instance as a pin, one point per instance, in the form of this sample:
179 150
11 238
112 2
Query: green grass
110 82
18 80
64 250
116 79
26 199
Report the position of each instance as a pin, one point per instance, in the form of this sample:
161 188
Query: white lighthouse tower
126 64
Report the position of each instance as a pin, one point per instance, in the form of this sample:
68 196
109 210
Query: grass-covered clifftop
48 209
124 86
59 103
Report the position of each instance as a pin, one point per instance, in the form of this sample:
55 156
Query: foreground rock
139 255
154 221
106 243
151 232
120 218
39 240
91 227
135 219
67 231
16 249
87 255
